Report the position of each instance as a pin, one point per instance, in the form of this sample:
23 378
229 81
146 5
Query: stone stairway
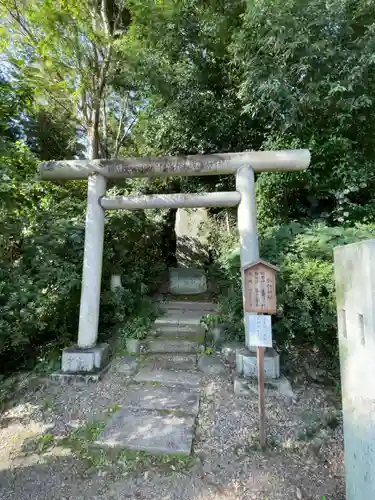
162 401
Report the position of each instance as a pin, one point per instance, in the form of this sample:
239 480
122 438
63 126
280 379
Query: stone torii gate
87 357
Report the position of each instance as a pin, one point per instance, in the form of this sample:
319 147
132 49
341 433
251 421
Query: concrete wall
355 289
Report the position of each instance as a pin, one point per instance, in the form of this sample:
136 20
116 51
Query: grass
112 409
38 444
139 460
48 404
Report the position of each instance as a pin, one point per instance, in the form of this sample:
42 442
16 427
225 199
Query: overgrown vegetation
306 314
95 78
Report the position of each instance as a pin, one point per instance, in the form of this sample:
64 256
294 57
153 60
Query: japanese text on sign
260 289
260 330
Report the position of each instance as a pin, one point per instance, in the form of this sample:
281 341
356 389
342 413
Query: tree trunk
93 142
104 148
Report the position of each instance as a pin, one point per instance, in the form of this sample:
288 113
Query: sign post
262 413
260 297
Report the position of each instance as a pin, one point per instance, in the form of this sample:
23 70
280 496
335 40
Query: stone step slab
189 318
148 431
170 362
162 398
171 346
182 306
179 332
168 377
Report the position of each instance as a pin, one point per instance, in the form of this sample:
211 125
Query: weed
331 420
139 460
48 404
38 444
112 409
315 423
155 383
85 434
45 442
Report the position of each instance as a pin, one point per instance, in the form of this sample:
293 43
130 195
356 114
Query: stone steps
179 333
169 377
165 346
181 306
162 398
180 324
170 362
160 407
190 318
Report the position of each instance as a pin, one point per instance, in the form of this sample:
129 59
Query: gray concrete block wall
355 296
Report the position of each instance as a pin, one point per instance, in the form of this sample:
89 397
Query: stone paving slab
169 377
170 361
148 431
162 398
172 346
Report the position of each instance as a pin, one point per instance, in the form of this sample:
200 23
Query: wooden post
262 416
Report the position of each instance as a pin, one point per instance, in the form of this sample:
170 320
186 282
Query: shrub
306 313
41 263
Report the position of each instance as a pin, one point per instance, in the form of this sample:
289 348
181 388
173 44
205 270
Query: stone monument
192 233
355 286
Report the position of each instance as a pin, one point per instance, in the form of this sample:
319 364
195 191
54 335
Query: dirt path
45 448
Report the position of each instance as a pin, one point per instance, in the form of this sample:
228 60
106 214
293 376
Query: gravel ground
304 458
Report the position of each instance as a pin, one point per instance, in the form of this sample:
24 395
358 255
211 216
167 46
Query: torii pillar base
87 364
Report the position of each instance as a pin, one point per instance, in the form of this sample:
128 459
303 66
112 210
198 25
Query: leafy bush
41 261
306 312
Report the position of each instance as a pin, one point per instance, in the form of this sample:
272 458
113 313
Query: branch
117 20
125 134
122 115
105 130
16 15
104 14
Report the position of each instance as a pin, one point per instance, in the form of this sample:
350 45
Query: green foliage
186 78
306 314
307 72
263 74
41 262
39 444
138 328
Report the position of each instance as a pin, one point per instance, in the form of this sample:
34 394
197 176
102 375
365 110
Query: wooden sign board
260 287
